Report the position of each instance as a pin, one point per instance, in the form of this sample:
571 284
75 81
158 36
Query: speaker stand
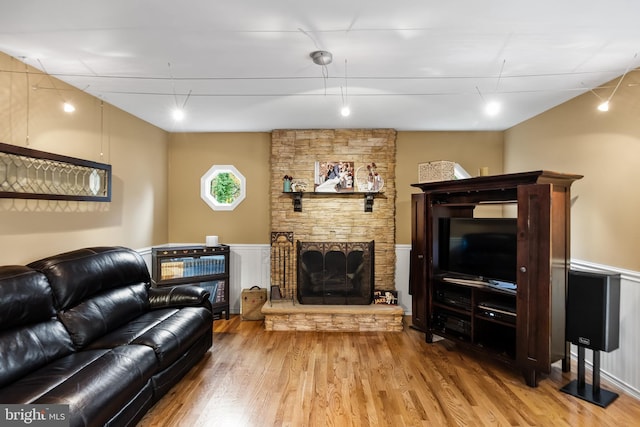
578 387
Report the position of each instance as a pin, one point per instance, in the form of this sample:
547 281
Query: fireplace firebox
335 273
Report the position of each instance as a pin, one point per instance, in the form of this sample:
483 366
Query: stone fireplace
331 224
337 218
339 273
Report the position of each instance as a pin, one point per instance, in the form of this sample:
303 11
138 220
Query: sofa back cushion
102 313
25 297
96 289
30 335
77 275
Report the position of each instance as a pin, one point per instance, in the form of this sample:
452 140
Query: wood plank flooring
256 378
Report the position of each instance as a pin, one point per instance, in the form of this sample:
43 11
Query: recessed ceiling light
178 114
492 108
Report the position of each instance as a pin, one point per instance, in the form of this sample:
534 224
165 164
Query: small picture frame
385 297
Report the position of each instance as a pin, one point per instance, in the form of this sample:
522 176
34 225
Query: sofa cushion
169 331
177 333
133 329
104 312
22 287
38 382
29 338
27 348
75 276
95 384
97 392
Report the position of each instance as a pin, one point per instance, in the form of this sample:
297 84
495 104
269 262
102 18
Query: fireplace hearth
335 273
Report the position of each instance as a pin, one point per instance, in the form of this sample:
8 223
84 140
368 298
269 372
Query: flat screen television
483 248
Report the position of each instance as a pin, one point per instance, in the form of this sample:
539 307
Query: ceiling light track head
321 57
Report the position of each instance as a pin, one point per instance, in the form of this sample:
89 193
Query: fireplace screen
335 272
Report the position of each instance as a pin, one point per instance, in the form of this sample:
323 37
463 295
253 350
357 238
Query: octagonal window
222 187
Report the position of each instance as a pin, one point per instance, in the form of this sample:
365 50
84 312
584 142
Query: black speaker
593 310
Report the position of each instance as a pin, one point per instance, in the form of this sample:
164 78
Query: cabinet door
418 262
534 280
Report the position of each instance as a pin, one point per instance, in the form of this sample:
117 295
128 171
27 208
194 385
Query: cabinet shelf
297 196
190 279
450 335
496 321
452 308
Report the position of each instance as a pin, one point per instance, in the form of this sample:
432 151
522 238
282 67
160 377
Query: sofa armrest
179 296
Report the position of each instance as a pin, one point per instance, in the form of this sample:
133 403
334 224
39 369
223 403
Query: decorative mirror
34 174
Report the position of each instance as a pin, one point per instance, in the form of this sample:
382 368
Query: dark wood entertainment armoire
536 337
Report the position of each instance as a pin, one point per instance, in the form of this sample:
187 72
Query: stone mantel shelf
296 196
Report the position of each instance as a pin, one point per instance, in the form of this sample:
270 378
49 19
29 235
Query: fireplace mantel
368 197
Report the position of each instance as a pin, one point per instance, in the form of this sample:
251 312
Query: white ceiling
406 64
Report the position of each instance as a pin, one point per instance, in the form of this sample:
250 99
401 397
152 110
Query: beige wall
604 147
136 216
190 156
472 150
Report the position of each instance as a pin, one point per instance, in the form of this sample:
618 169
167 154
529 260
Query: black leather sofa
85 328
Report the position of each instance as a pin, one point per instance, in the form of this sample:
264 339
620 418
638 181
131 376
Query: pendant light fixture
321 57
67 106
345 111
604 105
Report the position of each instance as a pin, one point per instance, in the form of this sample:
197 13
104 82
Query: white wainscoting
403 252
250 266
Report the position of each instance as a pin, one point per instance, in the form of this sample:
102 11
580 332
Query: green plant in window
225 187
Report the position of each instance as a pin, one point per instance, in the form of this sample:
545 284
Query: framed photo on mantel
334 176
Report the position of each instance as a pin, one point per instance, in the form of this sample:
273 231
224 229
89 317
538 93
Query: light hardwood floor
255 378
